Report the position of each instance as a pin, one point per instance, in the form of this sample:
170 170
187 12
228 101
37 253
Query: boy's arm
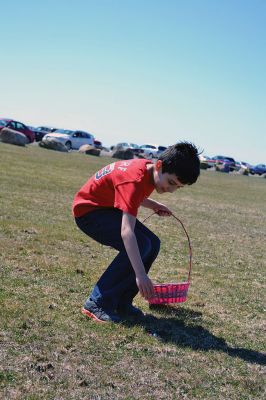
157 207
129 238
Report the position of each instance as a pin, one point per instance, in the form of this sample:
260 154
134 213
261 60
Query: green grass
211 347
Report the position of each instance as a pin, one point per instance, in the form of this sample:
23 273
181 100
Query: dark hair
182 159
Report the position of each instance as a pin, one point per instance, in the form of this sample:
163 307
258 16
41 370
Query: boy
105 209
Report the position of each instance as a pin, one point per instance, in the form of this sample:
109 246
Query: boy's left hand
162 210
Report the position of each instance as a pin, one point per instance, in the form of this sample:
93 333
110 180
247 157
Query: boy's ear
158 165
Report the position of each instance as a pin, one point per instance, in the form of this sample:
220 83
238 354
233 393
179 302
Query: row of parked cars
74 139
233 165
147 150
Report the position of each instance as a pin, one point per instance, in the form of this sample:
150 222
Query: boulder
53 144
123 154
243 171
13 137
106 153
140 155
88 149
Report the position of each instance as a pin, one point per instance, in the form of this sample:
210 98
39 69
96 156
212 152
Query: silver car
152 150
71 139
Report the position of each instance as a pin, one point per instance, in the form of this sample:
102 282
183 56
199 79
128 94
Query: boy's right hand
145 286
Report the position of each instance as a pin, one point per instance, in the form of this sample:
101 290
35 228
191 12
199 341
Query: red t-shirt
123 185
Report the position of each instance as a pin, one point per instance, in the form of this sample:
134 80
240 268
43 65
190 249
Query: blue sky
144 71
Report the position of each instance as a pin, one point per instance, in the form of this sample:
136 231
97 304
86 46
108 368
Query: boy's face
165 182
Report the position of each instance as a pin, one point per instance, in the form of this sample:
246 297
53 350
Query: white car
71 139
152 150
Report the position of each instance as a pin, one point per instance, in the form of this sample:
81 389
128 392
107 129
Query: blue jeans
117 286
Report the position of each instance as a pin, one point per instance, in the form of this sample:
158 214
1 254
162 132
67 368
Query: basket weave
165 293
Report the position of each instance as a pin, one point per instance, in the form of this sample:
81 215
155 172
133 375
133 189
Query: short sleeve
129 196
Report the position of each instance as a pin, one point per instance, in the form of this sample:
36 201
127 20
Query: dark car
161 149
17 126
228 161
128 146
98 144
40 131
258 169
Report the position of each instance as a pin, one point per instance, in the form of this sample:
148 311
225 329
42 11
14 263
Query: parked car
71 139
40 131
161 149
242 165
98 144
228 161
258 169
17 126
126 145
152 150
245 164
206 160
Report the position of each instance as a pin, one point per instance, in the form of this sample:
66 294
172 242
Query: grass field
211 347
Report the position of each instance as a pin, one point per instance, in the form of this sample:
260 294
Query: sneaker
130 311
98 314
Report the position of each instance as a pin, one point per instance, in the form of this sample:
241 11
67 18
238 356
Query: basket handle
189 243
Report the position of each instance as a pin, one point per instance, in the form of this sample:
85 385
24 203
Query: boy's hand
157 207
145 286
162 210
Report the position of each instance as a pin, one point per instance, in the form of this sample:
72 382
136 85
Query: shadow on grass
181 327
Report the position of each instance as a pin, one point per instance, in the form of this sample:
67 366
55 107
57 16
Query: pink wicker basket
172 292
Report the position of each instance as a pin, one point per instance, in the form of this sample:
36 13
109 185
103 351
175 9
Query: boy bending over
105 209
